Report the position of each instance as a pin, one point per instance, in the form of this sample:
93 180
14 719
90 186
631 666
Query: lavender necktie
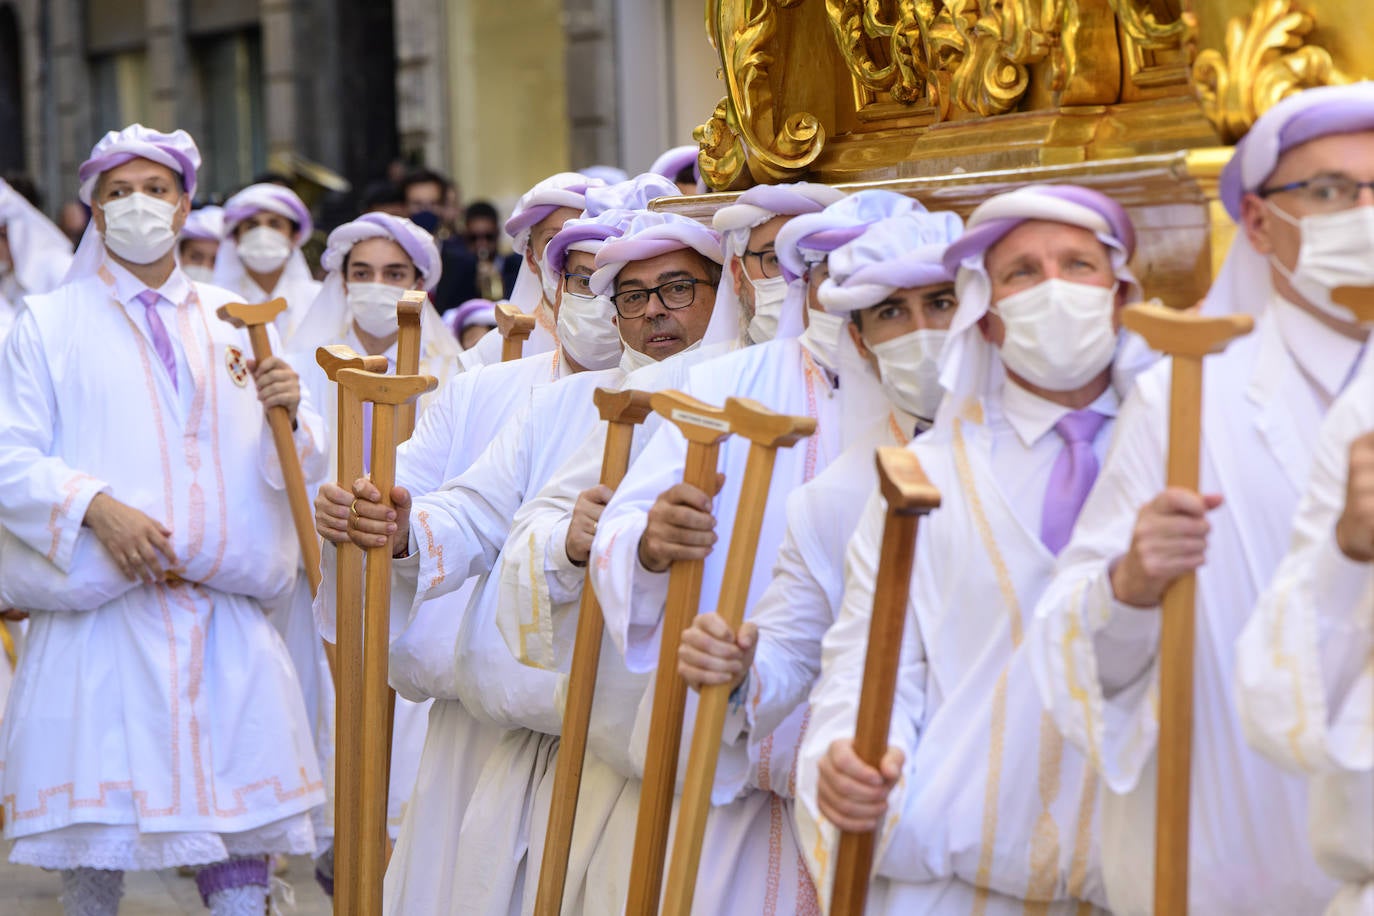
1071 477
162 342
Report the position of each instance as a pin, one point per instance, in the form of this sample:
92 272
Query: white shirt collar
1325 355
175 290
1033 417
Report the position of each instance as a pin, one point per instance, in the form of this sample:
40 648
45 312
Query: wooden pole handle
704 427
515 327
909 496
1188 338
408 342
622 411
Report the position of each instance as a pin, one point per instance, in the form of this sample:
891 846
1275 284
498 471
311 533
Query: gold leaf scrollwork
1145 29
723 158
780 146
1265 60
883 56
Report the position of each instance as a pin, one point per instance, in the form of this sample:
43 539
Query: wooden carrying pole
515 327
256 318
622 411
348 627
909 496
767 432
1187 337
704 427
385 393
1359 299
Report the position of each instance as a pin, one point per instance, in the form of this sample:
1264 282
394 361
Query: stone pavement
28 891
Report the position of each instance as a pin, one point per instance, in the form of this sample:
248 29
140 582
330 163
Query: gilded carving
723 158
1143 27
881 55
1265 59
781 145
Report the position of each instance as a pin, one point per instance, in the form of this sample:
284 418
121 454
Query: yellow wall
507 89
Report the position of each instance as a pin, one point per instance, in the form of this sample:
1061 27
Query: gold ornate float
953 99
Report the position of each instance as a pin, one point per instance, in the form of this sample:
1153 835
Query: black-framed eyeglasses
1327 192
675 294
579 285
768 262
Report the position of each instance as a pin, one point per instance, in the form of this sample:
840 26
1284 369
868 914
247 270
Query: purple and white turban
671 163
609 174
176 150
588 234
734 222
272 198
1244 283
900 252
328 317
566 189
810 237
969 365
472 313
205 224
40 253
649 235
230 272
633 194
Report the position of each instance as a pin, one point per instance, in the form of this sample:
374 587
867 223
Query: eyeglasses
675 294
768 262
579 285
1325 192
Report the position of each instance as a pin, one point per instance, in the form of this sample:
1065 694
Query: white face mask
548 282
1059 335
1337 250
768 296
586 332
909 367
138 228
199 273
631 359
264 249
823 332
374 307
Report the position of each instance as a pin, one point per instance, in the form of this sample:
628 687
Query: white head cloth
565 189
969 365
632 194
649 235
230 272
206 223
1244 283
328 317
751 209
40 252
176 150
900 252
610 174
671 163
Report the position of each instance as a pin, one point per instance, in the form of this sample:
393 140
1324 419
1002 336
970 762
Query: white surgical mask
374 307
1337 250
823 332
199 273
138 227
768 296
909 367
548 282
264 249
1059 335
631 359
586 332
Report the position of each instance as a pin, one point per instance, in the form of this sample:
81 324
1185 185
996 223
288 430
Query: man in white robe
1095 638
198 243
459 531
537 217
34 254
259 257
654 519
961 830
156 720
370 262
1305 661
892 282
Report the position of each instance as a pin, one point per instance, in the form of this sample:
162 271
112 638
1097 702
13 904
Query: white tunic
748 831
150 725
487 350
1095 658
992 813
1305 665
